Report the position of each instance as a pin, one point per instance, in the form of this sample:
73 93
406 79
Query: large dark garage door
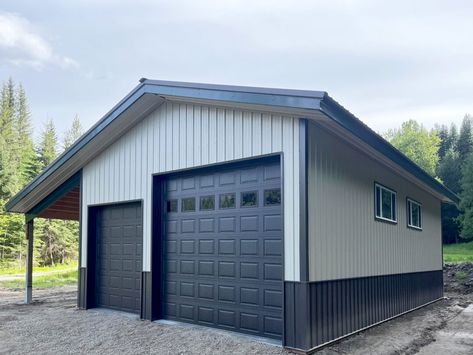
223 250
119 257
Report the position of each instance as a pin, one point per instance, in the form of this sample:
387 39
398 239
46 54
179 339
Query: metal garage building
269 212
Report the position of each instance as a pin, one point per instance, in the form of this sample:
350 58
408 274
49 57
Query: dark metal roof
291 99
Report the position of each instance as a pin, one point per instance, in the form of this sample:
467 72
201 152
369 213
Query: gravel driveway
53 325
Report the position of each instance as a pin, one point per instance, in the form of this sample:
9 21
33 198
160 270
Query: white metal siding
178 136
344 238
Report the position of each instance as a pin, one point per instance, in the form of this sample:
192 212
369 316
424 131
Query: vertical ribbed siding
178 136
375 299
340 307
345 240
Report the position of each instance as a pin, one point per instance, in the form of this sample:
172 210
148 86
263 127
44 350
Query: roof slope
297 100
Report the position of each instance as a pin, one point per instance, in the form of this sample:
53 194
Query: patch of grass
461 275
458 253
46 281
18 271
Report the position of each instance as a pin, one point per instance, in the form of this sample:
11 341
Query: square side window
414 214
385 204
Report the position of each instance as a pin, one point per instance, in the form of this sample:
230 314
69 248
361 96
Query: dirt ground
53 325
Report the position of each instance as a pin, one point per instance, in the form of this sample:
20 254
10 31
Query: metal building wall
345 240
178 136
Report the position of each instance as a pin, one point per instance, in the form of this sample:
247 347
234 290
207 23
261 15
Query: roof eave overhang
308 104
278 100
357 128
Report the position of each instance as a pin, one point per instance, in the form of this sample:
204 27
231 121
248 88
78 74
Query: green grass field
45 281
458 253
46 276
8 270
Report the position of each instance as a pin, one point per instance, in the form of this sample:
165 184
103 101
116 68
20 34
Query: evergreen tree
12 235
449 170
9 180
45 230
465 139
27 163
47 150
445 143
57 240
466 203
453 137
72 134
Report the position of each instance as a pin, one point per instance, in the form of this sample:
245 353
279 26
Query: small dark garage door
223 250
119 257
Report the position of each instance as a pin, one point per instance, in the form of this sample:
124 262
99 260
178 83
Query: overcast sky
386 62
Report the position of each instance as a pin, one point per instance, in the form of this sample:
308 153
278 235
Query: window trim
380 218
408 214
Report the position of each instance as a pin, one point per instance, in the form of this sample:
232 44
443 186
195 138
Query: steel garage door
223 250
119 257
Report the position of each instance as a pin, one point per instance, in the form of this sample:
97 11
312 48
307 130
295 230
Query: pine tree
57 240
466 203
449 170
9 156
27 163
453 136
465 139
445 143
47 150
72 134
45 228
15 135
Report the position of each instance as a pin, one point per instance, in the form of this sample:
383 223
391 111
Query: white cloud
21 45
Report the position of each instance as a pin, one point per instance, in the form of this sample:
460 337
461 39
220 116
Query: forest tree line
445 152
21 159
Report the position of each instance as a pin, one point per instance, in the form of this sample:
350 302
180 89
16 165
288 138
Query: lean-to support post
29 261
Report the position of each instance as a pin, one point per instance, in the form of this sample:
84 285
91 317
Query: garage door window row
248 199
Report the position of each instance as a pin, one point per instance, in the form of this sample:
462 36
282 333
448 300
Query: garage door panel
187 246
188 226
119 257
206 268
223 252
187 267
226 224
206 315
